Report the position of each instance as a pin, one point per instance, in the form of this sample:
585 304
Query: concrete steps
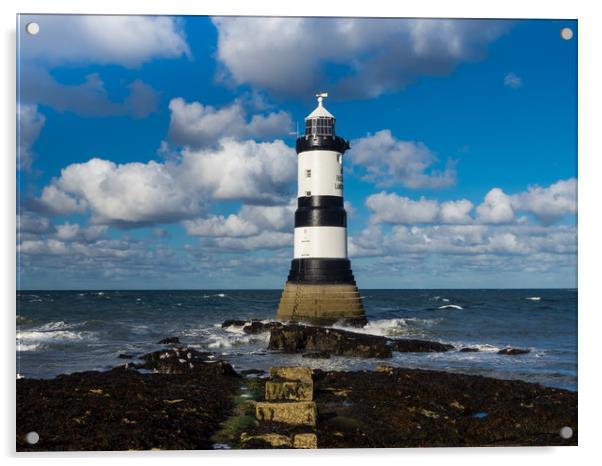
289 401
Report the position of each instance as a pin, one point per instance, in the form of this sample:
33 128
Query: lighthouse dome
320 122
320 131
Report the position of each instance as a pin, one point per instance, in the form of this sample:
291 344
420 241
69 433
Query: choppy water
68 331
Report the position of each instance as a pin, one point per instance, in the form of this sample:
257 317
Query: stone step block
300 413
289 390
305 441
291 373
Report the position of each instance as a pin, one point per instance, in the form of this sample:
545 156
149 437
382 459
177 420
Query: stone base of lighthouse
322 292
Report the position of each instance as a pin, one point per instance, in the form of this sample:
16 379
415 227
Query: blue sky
156 152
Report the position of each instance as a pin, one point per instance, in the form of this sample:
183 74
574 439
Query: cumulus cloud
513 80
137 194
374 56
496 208
197 125
89 98
250 221
122 40
386 161
548 205
30 123
394 209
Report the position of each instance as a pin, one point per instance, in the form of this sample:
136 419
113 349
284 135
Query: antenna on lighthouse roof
321 96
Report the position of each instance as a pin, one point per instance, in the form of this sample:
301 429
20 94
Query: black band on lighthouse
322 271
320 211
335 143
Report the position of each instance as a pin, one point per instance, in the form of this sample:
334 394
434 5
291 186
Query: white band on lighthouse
320 173
320 242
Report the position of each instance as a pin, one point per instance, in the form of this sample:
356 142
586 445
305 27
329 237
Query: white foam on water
51 333
392 327
221 295
445 300
450 306
534 298
29 347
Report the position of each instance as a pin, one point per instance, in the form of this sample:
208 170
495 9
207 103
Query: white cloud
258 173
290 55
254 227
122 40
30 123
220 226
55 201
74 231
399 210
549 204
513 80
386 161
197 125
496 208
457 212
135 194
470 240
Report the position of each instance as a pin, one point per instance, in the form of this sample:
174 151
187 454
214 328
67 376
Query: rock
468 350
256 326
183 361
301 338
317 355
291 373
271 440
305 441
420 346
295 413
289 390
513 351
233 323
169 341
126 356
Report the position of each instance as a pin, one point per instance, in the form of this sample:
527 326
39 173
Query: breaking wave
450 306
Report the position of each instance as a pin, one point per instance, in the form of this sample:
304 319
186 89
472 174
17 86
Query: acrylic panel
265 232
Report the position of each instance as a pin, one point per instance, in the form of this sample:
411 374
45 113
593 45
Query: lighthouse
320 287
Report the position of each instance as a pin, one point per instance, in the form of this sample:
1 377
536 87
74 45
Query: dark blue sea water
68 331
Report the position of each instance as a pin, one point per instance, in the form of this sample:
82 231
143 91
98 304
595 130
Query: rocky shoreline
180 398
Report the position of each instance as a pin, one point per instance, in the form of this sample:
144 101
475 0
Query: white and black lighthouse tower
320 286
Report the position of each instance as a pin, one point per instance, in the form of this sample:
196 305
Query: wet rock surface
414 408
513 351
124 409
324 340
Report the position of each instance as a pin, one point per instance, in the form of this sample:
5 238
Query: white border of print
590 160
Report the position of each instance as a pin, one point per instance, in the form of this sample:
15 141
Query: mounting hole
32 28
32 438
566 432
566 33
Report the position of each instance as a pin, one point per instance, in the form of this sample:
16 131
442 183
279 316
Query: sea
62 332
